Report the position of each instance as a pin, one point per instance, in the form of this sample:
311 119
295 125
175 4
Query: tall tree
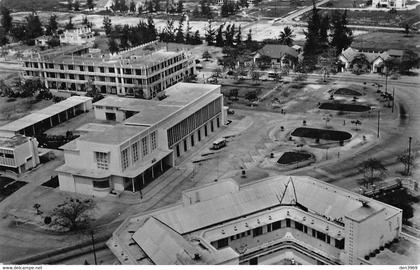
3 39
238 38
70 24
342 36
197 39
188 37
6 19
69 4
249 37
157 5
76 5
112 45
107 25
123 6
151 29
180 6
210 34
180 31
150 6
52 25
132 6
90 4
323 29
286 36
33 27
219 37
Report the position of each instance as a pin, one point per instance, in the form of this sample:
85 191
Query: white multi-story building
18 153
271 221
389 3
146 141
134 72
77 36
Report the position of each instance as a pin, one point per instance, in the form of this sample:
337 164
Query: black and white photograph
162 133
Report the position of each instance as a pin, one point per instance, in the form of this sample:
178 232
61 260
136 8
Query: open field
376 18
50 5
390 40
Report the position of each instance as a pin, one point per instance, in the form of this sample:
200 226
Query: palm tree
286 36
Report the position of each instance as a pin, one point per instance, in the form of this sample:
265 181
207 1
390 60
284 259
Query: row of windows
186 126
275 226
102 160
145 147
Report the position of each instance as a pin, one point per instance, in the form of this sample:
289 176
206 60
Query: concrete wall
66 182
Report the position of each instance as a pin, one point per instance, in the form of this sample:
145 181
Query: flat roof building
39 121
18 153
142 71
147 140
268 221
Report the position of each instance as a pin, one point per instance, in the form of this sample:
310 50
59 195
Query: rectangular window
192 140
339 243
211 126
276 225
124 159
111 70
232 238
328 239
313 233
70 67
90 69
101 184
205 130
153 140
288 223
135 150
145 149
218 122
243 234
222 243
185 146
321 236
82 68
199 135
269 228
305 229
248 232
102 160
257 231
299 226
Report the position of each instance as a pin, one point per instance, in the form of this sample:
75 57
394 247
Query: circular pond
344 107
322 134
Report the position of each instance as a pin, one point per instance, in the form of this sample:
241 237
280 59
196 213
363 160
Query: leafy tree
210 34
73 214
238 38
264 62
140 9
342 36
53 42
132 6
70 24
180 6
179 38
90 4
249 38
219 37
151 29
18 32
409 60
372 170
205 9
6 19
30 87
69 4
286 36
76 5
407 160
33 27
251 95
107 25
188 38
113 45
52 25
196 40
3 37
123 6
150 6
311 46
156 5
243 3
323 30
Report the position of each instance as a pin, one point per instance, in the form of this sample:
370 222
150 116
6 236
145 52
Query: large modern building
271 221
18 153
143 71
148 138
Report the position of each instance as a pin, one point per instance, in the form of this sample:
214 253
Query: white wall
66 182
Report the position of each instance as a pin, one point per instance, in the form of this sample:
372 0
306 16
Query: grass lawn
293 157
344 107
344 4
323 134
275 8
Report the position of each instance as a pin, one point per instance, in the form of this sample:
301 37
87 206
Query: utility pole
386 80
93 246
393 99
379 117
409 155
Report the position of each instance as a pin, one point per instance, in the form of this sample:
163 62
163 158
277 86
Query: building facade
389 3
147 140
18 153
270 221
77 36
134 72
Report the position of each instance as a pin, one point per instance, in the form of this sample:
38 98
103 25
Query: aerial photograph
209 132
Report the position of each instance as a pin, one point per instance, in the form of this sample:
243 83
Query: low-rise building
148 138
138 71
78 36
280 55
37 122
271 221
389 3
18 153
